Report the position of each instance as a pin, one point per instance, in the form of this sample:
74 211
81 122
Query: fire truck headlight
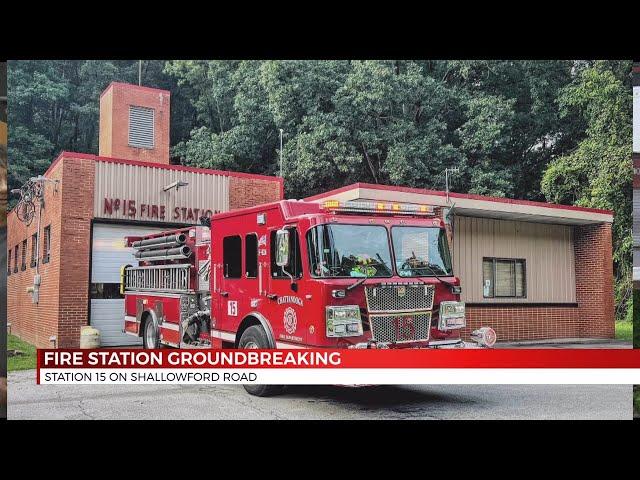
452 315
344 321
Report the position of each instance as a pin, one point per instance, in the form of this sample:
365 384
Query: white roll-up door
108 255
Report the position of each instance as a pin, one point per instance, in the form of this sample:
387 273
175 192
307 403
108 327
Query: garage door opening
108 254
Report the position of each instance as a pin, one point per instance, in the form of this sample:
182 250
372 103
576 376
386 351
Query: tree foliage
598 172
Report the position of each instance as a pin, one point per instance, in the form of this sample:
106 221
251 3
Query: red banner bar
409 358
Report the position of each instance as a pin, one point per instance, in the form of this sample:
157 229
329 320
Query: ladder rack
166 278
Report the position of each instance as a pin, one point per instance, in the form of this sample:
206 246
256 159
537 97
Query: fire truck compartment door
108 254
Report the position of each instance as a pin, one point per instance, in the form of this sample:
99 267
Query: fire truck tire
256 337
151 334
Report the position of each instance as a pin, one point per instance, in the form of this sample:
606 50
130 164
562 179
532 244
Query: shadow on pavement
381 396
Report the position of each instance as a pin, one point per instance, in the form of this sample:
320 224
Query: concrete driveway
30 401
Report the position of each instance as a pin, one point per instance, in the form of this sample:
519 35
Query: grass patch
624 330
26 361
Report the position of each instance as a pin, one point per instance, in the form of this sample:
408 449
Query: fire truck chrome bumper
457 344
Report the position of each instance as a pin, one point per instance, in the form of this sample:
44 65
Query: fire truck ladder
167 278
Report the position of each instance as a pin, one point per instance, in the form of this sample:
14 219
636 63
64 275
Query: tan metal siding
547 249
145 184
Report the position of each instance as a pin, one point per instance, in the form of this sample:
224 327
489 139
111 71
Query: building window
141 127
46 244
34 249
251 255
15 259
9 263
504 278
295 262
232 256
23 264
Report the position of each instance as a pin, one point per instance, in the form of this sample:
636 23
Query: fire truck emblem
290 320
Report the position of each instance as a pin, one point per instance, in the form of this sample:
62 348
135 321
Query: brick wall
75 241
35 323
248 192
525 323
594 280
114 122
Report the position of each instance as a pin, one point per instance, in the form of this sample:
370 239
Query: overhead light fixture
177 184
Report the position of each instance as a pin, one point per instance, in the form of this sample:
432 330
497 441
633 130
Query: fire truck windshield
356 251
421 251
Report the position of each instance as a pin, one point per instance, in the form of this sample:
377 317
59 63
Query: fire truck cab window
251 255
232 256
421 251
349 251
295 262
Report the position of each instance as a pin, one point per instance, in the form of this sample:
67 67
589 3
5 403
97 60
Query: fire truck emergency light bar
381 207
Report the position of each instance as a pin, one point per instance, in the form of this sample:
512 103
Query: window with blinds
504 277
141 127
23 263
34 249
46 244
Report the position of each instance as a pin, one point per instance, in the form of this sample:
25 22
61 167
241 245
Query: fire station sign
139 192
142 211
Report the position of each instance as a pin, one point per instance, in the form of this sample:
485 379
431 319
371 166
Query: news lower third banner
339 367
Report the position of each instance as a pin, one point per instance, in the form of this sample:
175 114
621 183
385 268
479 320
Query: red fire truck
295 274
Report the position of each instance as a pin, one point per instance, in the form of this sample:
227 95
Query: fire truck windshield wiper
359 282
428 265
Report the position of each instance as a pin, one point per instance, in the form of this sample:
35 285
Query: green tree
598 173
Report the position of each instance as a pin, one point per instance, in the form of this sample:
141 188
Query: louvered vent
141 130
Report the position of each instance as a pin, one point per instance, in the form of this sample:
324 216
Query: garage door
108 254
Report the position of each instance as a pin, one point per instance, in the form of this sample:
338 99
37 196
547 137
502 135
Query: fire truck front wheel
150 334
256 337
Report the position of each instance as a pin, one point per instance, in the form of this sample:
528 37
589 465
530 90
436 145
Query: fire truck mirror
282 248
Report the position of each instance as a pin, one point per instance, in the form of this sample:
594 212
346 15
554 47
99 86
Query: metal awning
473 205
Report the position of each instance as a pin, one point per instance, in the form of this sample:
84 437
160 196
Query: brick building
530 270
92 201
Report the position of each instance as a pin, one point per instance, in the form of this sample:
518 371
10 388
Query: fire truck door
285 295
215 284
232 284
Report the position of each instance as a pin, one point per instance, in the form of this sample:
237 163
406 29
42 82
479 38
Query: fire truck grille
399 298
401 328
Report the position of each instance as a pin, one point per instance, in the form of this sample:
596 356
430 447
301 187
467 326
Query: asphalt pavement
30 401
